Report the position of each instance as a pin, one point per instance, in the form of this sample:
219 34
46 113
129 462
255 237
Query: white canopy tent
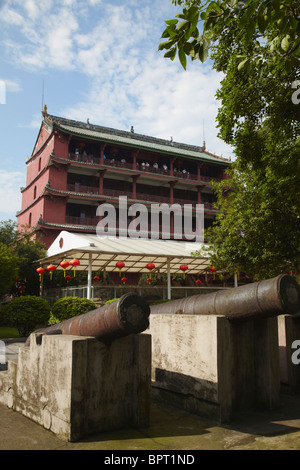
101 253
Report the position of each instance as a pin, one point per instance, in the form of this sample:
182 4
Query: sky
96 60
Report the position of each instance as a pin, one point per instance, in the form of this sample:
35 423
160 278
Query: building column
134 180
169 279
89 283
172 184
199 166
102 148
172 166
101 178
134 157
199 195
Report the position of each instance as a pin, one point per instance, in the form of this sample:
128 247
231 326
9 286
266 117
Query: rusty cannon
127 315
267 298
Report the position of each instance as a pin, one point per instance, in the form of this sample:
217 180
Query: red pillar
101 178
134 180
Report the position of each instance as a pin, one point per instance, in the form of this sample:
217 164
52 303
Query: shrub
26 313
110 301
68 307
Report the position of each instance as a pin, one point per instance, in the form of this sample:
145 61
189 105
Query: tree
271 24
25 250
256 44
8 269
257 230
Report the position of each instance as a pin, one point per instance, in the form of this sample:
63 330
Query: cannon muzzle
127 315
267 298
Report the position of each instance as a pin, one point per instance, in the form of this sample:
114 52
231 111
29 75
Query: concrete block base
75 386
289 332
208 365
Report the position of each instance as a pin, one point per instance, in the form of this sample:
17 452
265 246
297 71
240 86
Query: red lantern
149 280
120 265
68 279
184 268
51 268
64 264
74 262
96 278
21 289
124 280
150 266
40 271
198 282
213 270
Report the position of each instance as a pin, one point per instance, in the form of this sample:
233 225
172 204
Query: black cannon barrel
127 315
271 297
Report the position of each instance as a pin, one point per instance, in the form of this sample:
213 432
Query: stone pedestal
213 367
289 353
75 386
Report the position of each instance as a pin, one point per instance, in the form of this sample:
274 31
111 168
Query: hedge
25 313
68 307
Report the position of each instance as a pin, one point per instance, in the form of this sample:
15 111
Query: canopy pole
89 284
169 278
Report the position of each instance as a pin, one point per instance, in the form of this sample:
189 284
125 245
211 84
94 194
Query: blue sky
95 59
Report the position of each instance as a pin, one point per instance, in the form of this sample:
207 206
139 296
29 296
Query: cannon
267 298
127 315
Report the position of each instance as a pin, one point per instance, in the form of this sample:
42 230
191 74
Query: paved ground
170 430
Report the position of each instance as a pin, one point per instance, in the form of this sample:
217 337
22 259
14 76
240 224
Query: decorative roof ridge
61 121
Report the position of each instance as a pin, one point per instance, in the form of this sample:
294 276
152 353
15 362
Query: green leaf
182 57
182 24
189 49
242 64
165 45
171 54
261 23
285 43
171 22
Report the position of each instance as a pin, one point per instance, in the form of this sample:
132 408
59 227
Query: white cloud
10 196
115 48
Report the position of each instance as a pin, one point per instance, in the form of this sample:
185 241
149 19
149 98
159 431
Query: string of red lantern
51 268
184 268
64 264
124 280
40 272
213 270
68 279
120 265
74 262
150 266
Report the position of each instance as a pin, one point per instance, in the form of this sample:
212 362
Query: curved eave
137 141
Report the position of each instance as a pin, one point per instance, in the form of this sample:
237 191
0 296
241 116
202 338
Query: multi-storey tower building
76 166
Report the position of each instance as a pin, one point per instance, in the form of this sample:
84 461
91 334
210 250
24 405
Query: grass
8 332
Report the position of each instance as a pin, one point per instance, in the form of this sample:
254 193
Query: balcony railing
90 221
140 167
139 196
78 188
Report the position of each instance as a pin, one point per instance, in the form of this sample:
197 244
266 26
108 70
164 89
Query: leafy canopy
272 23
256 44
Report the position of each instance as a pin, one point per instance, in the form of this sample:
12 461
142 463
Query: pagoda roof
131 139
